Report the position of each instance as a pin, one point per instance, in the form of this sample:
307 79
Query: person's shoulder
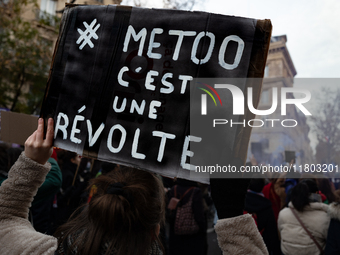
53 163
334 211
317 206
285 214
285 210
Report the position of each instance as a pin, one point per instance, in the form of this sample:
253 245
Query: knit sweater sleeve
17 236
239 235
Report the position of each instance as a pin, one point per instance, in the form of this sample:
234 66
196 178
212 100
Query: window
266 71
48 6
47 11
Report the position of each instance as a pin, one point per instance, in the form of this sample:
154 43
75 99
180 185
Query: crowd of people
54 202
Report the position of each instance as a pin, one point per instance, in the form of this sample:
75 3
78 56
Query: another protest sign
17 127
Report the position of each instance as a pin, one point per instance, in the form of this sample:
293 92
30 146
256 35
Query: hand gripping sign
120 80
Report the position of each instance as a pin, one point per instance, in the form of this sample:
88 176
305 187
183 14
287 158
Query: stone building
51 10
272 142
53 7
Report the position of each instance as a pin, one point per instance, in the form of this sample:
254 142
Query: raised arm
17 236
237 234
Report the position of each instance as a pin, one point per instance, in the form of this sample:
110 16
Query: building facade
51 11
275 143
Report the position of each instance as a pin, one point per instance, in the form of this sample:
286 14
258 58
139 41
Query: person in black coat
69 197
333 236
193 243
261 209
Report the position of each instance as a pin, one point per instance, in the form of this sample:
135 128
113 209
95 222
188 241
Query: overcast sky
312 28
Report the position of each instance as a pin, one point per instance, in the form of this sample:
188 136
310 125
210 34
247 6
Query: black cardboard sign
120 79
290 156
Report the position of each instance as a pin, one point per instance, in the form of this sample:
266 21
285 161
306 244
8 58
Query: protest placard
119 86
16 127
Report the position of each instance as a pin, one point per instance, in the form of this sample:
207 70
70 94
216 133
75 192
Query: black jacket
333 236
188 244
266 223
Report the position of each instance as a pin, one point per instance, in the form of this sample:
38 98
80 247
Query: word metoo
181 35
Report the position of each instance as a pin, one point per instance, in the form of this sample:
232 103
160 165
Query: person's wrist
37 160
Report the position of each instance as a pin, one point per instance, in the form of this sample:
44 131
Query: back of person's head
325 187
257 183
337 195
301 192
65 157
122 218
